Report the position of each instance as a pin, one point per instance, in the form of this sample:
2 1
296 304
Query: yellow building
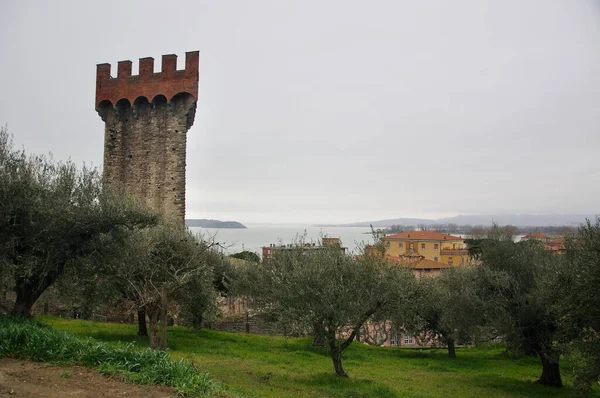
434 246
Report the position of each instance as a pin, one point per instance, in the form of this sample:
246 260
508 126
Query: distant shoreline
518 220
205 223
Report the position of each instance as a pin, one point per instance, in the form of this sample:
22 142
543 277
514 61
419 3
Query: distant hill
519 220
204 223
383 223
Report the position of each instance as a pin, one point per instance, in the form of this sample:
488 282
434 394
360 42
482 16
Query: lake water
258 235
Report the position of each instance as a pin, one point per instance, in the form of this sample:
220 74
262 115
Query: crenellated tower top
168 82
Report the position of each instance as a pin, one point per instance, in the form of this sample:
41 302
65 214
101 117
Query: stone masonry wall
146 122
145 149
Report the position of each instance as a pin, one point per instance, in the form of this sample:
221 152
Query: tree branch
357 326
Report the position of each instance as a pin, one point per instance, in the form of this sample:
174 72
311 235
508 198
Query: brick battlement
169 82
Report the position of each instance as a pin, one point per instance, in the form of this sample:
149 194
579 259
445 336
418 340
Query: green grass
21 338
66 374
275 367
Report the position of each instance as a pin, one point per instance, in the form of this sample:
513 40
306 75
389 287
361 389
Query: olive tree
509 281
197 301
156 265
247 255
198 298
306 286
447 308
577 304
51 217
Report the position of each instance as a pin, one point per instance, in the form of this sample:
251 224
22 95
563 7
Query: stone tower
146 122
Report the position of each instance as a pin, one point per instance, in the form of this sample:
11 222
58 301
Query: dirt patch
31 379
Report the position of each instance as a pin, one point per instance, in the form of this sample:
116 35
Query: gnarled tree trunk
337 348
451 348
142 329
336 352
163 320
336 356
197 322
319 334
153 317
247 325
550 372
28 291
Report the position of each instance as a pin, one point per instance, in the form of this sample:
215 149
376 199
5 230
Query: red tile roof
535 236
424 264
423 235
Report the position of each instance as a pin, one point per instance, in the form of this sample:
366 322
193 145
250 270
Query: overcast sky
334 111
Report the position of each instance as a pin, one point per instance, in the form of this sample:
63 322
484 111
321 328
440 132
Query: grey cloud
335 111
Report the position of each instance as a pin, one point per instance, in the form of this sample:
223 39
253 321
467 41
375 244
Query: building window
422 246
450 261
394 339
408 339
387 244
411 247
436 259
400 245
435 246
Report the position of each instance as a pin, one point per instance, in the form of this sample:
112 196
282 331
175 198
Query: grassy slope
24 339
274 367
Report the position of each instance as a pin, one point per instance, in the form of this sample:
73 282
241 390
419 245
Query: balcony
454 252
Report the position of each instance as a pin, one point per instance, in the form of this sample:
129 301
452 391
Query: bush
21 338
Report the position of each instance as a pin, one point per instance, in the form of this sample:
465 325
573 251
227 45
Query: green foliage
510 283
197 300
151 259
507 281
247 255
304 285
291 367
52 216
577 278
474 247
25 339
448 307
156 266
225 274
308 286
